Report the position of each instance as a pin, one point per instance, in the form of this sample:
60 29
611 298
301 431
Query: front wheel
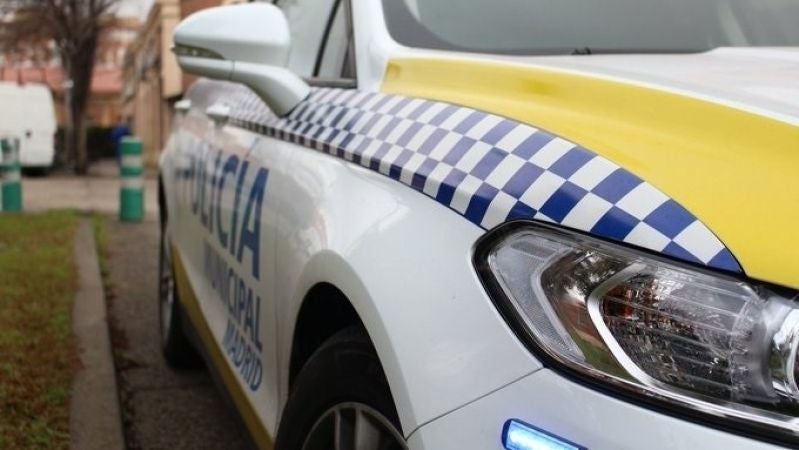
341 401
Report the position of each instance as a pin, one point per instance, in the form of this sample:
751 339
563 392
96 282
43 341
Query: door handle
219 113
183 106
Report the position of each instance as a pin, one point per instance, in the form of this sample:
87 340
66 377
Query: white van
27 112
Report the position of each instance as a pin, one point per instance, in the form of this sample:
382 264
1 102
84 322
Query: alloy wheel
353 426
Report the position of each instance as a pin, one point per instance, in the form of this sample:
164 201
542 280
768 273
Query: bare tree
75 27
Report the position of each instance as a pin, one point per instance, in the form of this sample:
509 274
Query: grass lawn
37 352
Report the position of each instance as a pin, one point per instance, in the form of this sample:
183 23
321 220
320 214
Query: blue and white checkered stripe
487 168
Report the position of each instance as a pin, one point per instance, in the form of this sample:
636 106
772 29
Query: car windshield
534 27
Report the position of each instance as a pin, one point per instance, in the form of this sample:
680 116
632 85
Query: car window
596 26
336 60
308 21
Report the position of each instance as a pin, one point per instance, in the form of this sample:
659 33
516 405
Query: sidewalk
96 192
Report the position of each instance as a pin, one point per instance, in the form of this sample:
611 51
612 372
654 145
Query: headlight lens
687 336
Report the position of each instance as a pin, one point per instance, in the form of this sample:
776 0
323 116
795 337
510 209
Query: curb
94 413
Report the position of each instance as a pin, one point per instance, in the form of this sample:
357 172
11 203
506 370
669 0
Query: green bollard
131 195
3 145
11 175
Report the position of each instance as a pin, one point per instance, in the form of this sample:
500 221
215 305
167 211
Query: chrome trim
185 50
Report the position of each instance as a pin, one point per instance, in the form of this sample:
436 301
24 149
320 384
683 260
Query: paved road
165 409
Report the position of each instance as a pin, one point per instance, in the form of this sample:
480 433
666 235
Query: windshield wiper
630 51
582 51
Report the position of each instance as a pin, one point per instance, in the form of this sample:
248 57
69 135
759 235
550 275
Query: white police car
462 224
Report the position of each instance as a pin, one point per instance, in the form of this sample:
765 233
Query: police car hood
717 131
761 80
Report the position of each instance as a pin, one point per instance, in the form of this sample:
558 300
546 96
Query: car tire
341 393
175 345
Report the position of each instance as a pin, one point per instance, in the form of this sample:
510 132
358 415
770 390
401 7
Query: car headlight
642 324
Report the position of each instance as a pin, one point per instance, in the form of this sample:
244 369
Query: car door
228 203
236 182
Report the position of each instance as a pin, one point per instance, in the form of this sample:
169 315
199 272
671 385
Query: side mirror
246 43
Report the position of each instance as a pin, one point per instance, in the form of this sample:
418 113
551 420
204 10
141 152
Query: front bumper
577 413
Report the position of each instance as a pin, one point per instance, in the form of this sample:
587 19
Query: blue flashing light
520 436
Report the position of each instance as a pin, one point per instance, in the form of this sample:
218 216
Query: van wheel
176 347
39 172
341 400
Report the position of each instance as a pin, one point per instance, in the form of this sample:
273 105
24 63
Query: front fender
404 262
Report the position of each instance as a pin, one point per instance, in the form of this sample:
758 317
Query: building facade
40 64
152 80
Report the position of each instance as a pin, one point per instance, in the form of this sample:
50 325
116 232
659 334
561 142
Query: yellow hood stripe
735 170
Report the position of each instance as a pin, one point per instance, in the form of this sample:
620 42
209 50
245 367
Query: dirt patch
161 408
119 341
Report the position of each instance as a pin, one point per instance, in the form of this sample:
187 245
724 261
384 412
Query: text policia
226 195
